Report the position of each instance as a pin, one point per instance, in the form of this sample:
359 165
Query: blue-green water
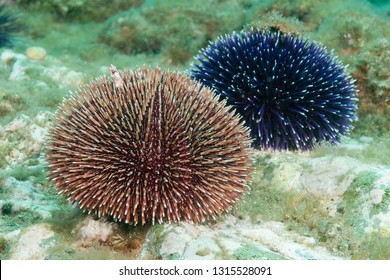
337 196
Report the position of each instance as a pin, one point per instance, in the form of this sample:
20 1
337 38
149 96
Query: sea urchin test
149 146
291 93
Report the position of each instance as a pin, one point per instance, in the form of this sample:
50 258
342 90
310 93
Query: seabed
330 203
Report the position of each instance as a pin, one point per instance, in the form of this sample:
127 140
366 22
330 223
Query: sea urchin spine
9 26
291 93
145 146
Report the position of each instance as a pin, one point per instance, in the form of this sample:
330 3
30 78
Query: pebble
366 139
36 53
376 196
7 56
96 231
33 243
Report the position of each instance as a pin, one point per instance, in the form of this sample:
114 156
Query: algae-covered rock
10 102
22 139
338 199
81 10
372 71
232 238
330 203
36 53
177 29
33 243
275 22
25 196
3 245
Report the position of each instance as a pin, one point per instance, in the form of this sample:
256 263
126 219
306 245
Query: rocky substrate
331 203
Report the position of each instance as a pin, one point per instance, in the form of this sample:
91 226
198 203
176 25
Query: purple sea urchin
8 26
145 146
291 93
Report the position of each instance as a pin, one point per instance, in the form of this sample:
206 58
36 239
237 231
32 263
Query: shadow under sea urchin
149 146
291 93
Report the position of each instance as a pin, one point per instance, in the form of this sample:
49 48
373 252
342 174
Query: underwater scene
194 130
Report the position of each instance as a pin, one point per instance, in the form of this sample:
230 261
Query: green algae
173 30
80 10
6 209
357 193
20 220
36 174
5 150
223 254
33 99
10 103
64 219
374 247
4 248
155 237
352 40
384 206
377 151
160 32
342 233
42 194
252 252
124 244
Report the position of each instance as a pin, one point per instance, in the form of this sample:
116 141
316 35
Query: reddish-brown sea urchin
146 146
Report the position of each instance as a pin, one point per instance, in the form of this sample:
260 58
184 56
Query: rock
10 102
36 53
79 10
139 30
33 243
64 76
376 196
26 196
12 235
380 224
328 176
29 67
30 134
92 231
19 68
366 139
232 239
335 200
7 56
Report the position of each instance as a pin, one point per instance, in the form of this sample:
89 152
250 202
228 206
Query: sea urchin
9 26
149 146
291 93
